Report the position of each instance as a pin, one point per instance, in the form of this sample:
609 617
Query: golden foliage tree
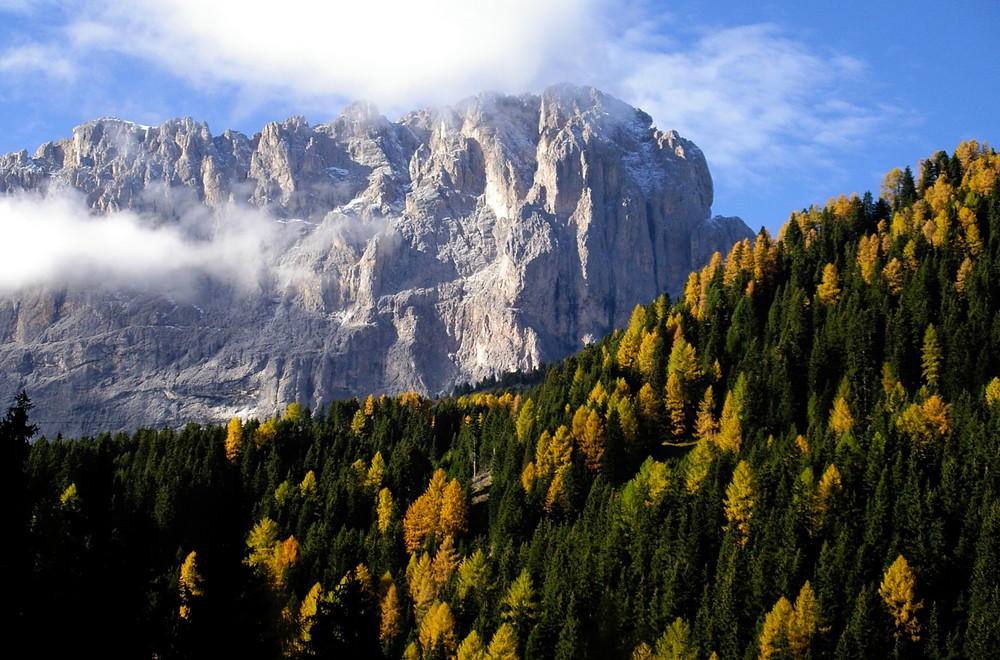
648 350
503 646
440 511
384 509
264 433
234 439
589 433
730 435
739 502
841 419
190 584
437 630
473 574
993 392
420 580
471 648
628 347
525 420
519 606
445 561
788 630
828 291
376 472
390 613
898 591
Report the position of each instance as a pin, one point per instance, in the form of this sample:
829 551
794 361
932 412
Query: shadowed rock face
453 244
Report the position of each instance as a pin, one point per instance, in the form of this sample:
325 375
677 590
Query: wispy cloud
754 98
34 59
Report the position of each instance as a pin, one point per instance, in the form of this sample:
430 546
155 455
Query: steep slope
452 244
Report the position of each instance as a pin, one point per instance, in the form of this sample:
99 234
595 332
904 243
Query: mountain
456 243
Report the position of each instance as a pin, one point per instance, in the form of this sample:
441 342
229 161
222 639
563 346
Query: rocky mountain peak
455 243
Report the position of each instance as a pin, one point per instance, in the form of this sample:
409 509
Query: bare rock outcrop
455 243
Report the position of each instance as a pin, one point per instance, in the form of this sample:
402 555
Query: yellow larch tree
503 646
306 619
423 588
898 591
441 510
739 502
730 435
590 437
526 420
828 291
384 509
445 561
437 630
454 510
841 419
705 426
390 613
519 606
628 348
674 402
868 249
473 574
893 276
376 472
190 584
992 392
648 350
789 630
471 648
234 439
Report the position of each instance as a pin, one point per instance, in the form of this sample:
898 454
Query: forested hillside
796 458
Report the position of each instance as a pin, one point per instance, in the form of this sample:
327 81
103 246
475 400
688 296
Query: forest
795 458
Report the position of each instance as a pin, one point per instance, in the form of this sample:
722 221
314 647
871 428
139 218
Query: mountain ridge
456 243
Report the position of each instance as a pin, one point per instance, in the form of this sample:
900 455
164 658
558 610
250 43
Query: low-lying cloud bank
55 240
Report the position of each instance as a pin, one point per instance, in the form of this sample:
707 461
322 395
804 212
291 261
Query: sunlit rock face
455 243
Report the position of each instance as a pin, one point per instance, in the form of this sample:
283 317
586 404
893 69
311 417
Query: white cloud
34 58
55 240
753 98
394 52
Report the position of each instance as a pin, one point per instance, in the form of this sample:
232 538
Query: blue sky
792 102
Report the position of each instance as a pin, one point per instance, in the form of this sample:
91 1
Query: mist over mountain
164 274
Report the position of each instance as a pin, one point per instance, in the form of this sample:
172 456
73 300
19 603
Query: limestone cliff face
453 244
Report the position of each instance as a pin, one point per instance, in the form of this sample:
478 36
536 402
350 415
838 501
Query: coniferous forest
799 457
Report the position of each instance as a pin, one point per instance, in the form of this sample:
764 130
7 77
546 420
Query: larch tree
190 584
437 631
828 291
454 509
730 435
471 648
390 614
234 439
473 574
384 509
898 590
739 502
519 606
503 646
